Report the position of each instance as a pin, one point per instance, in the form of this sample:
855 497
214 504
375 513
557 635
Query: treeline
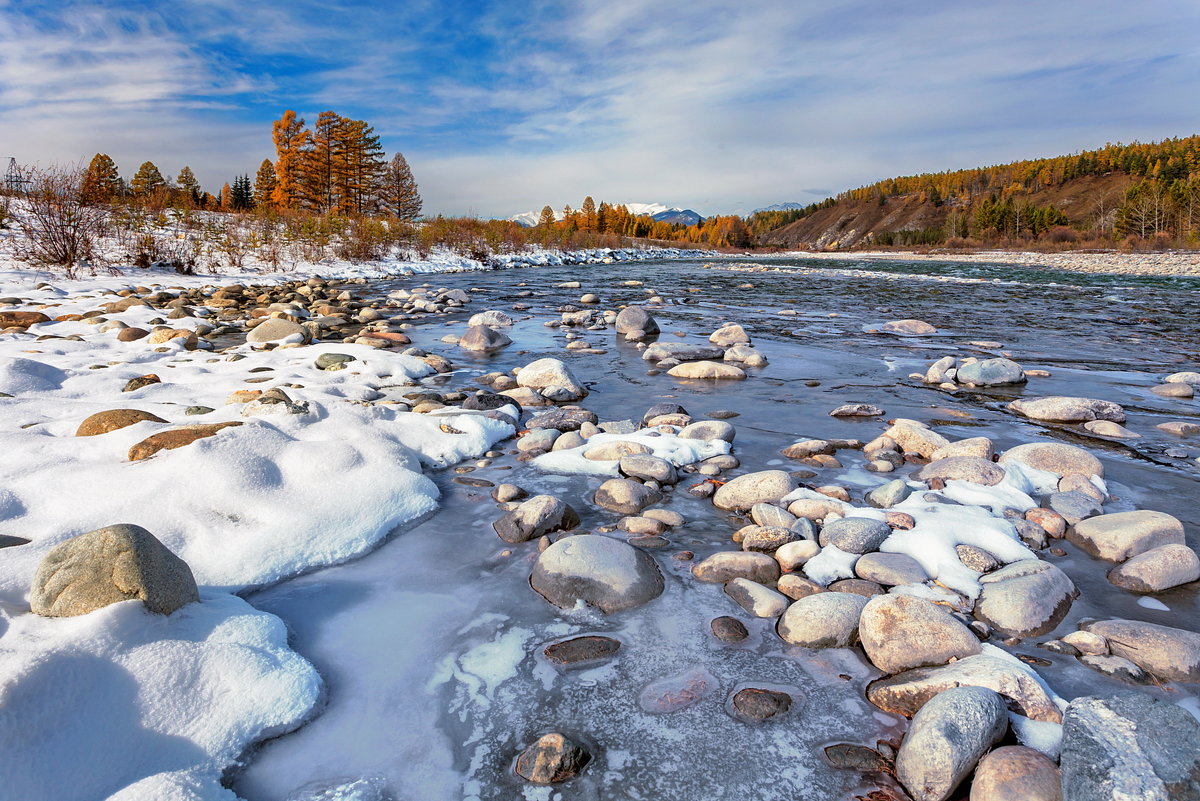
728 231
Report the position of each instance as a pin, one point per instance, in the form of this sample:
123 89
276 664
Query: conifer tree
147 180
264 184
292 141
241 195
190 187
588 210
101 182
399 190
226 197
547 217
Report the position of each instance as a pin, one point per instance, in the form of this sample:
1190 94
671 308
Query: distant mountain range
668 214
782 207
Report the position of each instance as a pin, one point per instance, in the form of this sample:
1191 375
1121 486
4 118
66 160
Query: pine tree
547 217
264 184
226 198
101 182
292 141
190 186
147 180
399 190
588 210
241 195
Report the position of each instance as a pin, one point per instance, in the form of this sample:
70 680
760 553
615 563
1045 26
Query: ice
1153 603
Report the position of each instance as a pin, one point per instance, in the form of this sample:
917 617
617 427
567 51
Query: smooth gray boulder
1025 599
726 565
1169 653
709 430
743 492
624 496
539 515
491 317
890 569
681 351
900 632
1157 569
1075 506
635 318
890 494
1054 457
1061 409
947 738
483 339
1016 773
706 370
908 327
1118 536
107 566
1130 746
599 571
963 468
756 599
645 466
855 534
822 620
991 373
276 328
726 335
543 374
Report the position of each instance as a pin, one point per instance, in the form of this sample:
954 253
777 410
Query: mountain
669 214
781 207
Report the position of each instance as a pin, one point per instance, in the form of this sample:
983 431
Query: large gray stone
645 466
276 328
681 351
624 496
1169 653
706 370
727 335
823 620
963 468
1060 409
1025 599
109 565
991 373
599 571
1054 457
909 327
947 738
1157 569
539 515
856 534
544 374
726 565
1016 773
890 569
483 339
635 318
756 599
900 632
1118 536
741 493
1130 747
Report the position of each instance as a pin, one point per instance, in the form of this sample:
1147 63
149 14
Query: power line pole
14 180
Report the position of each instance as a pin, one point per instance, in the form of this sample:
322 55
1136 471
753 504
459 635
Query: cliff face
851 223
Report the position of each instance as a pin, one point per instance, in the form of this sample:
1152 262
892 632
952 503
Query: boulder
539 515
1118 536
822 620
1169 653
900 632
491 317
890 569
743 492
909 328
273 329
756 704
856 534
635 318
913 438
624 496
1187 377
1074 506
681 352
21 319
547 373
725 566
979 447
990 373
587 648
1025 599
709 430
560 419
756 599
111 564
1016 773
1059 409
1130 746
483 339
946 739
614 450
856 410
1054 457
963 468
727 335
765 539
716 371
597 570
1157 569
175 438
648 467
113 419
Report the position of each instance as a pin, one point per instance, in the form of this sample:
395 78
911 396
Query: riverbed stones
1025 599
765 514
742 493
1118 536
756 599
1167 652
990 373
1187 377
706 370
551 759
890 569
175 438
946 739
900 632
273 329
908 328
1178 390
822 620
1157 569
681 351
732 334
1129 746
709 430
109 565
636 318
979 447
623 496
560 419
856 410
1016 773
598 571
765 539
21 319
1054 457
140 382
539 515
491 317
1180 428
551 374
483 339
888 495
112 420
905 693
647 467
855 534
725 566
913 437
963 468
1107 428
332 361
1061 409
1074 506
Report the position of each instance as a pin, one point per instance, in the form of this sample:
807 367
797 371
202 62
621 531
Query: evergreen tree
547 217
101 182
399 190
292 141
188 184
264 184
147 180
241 195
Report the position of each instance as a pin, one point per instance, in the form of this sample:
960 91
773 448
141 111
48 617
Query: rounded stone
909 328
963 468
990 373
856 534
553 758
1157 569
946 739
1054 457
624 496
728 629
483 339
1121 535
760 704
1025 599
890 569
707 370
899 632
599 571
726 565
743 492
822 620
1060 409
112 420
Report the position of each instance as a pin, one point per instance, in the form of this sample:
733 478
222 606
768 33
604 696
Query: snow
674 449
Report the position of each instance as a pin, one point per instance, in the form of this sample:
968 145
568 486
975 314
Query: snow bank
674 449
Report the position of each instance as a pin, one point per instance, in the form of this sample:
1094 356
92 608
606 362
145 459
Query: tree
547 217
264 184
588 211
241 195
190 186
292 141
226 197
399 190
101 182
147 180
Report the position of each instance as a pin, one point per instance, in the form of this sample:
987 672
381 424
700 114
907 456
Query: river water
431 646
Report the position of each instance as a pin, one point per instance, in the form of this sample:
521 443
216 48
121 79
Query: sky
503 106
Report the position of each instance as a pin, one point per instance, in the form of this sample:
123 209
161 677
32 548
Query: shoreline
1174 263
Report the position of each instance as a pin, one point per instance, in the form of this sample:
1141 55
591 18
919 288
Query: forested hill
1144 191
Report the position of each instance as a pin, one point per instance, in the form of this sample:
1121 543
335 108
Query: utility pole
14 181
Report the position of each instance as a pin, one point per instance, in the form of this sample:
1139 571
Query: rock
856 410
273 329
635 318
134 384
274 401
582 649
1074 506
946 738
175 438
1189 377
792 555
537 440
561 419
1169 653
890 569
889 494
21 319
552 759
727 335
1118 667
109 565
1025 599
1118 536
1107 428
905 693
539 515
614 450
1085 642
724 566
756 599
990 373
709 430
546 373
1130 746
1180 428
485 401
113 419
597 570
979 447
491 317
624 496
131 334
1173 390
909 328
650 468
728 629
795 586
1059 409
808 447
333 361
765 539
672 519
504 493
1157 569
707 370
975 558
681 352
765 514
759 704
856 534
483 339
746 355
1016 773
859 758
822 620
963 468
743 492
917 439
899 632
1054 457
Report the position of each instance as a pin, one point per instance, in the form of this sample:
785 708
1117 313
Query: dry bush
58 228
364 239
962 243
1060 235
1162 241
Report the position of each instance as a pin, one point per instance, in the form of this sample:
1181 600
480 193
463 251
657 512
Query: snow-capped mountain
783 207
671 214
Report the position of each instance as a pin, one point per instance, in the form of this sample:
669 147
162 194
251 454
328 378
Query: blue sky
502 107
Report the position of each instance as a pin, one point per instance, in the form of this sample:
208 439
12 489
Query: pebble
729 629
758 704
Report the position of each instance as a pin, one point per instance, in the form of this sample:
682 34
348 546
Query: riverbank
1186 263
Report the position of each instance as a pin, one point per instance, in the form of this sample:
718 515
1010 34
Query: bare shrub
1061 235
364 239
962 243
58 229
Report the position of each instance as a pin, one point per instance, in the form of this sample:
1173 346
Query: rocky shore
1147 264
